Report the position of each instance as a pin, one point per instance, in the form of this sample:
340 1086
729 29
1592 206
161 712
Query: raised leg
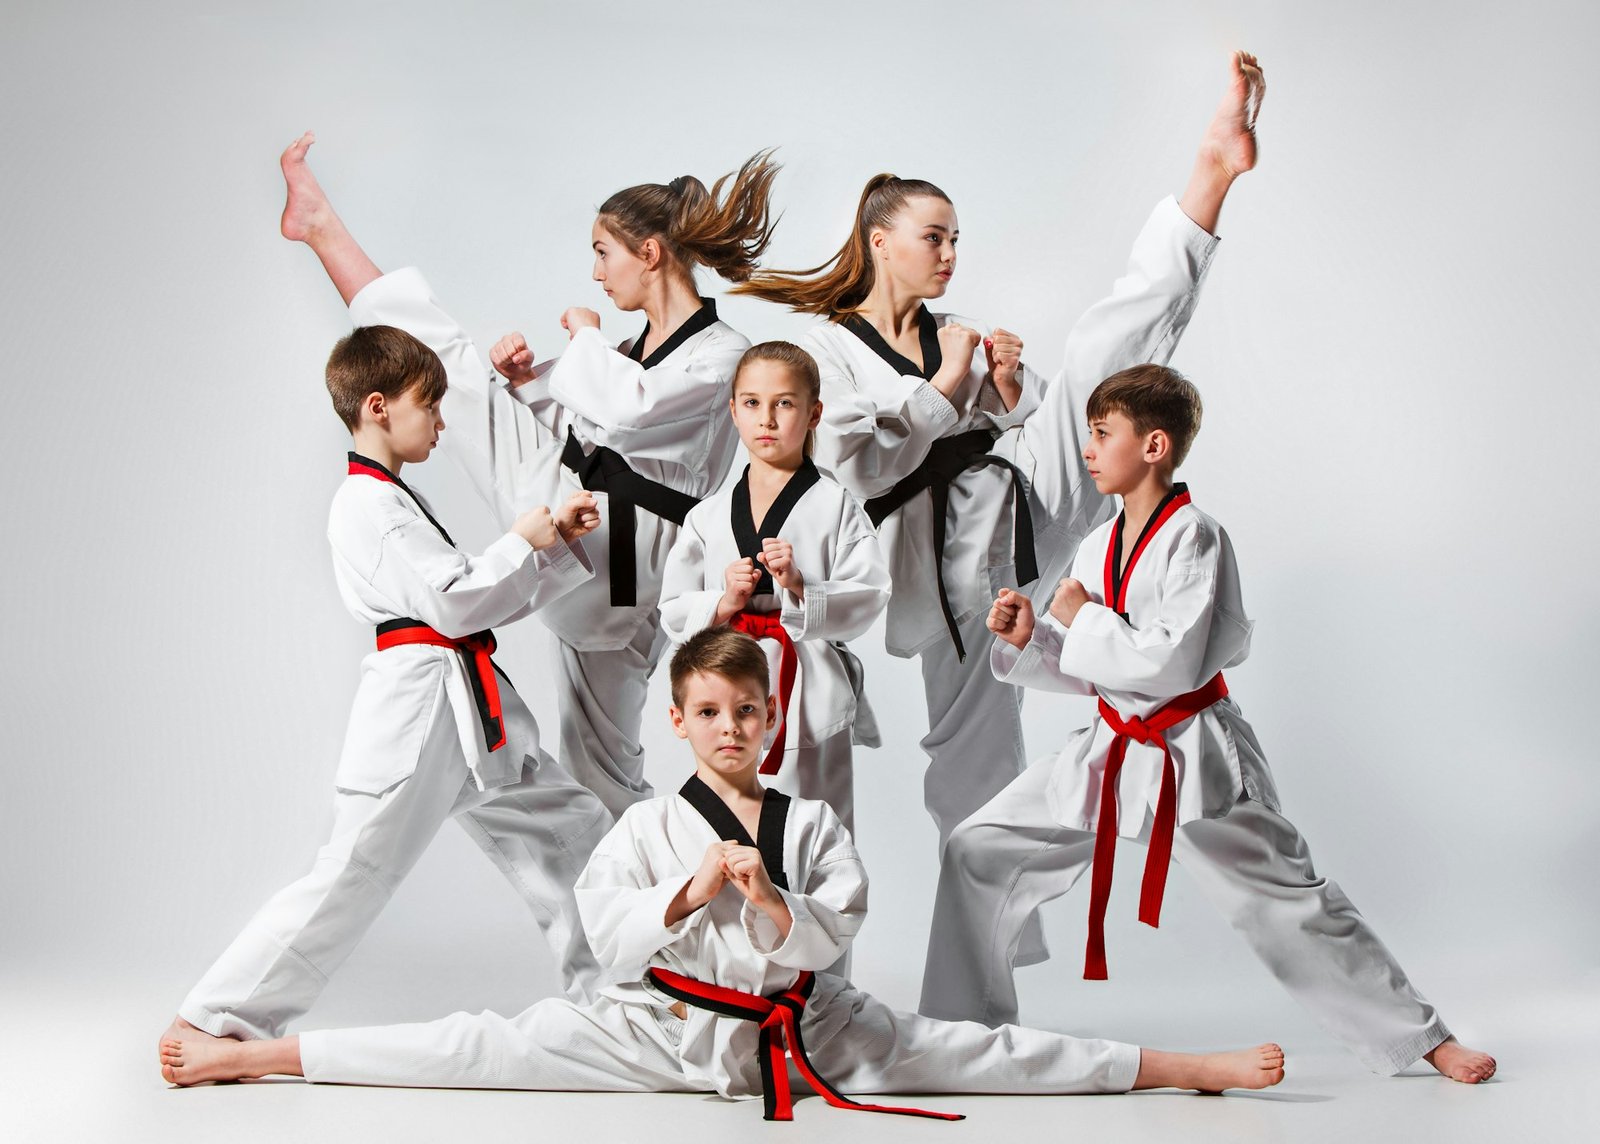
1229 147
309 217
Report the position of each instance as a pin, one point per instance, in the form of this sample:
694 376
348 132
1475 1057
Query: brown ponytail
727 233
842 283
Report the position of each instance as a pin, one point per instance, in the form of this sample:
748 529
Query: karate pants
602 697
974 743
1012 856
538 831
855 1041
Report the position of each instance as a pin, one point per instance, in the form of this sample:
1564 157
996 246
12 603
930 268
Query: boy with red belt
436 731
713 909
1149 618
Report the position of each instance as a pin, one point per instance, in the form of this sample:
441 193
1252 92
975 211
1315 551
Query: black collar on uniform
774 816
927 334
692 325
748 535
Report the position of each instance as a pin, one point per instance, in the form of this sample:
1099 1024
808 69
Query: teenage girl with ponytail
643 425
969 461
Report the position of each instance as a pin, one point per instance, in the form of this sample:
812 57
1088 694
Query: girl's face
620 271
917 252
773 412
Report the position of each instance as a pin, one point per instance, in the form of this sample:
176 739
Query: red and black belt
1148 729
779 1018
947 459
475 652
766 625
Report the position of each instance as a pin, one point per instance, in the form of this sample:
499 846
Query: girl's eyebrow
754 393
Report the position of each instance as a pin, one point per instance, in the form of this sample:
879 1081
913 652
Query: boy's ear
772 712
376 407
1157 446
678 729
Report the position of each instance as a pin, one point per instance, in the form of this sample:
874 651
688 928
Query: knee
974 851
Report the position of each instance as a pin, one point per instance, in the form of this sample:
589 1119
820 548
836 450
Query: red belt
1146 730
779 1018
766 625
476 650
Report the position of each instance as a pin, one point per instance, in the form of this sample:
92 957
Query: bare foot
1457 1062
180 1028
1230 141
307 210
1260 1067
193 1057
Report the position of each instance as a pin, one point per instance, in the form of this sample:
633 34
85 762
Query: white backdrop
1393 348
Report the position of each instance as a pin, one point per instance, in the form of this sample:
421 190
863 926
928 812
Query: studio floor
84 1071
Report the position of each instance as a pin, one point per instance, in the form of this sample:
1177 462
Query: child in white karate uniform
717 903
435 731
786 555
641 425
1149 618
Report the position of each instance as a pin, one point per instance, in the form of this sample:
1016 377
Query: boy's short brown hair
1152 397
718 651
381 359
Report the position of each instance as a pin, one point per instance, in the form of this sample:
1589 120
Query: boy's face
724 720
1117 457
769 410
411 424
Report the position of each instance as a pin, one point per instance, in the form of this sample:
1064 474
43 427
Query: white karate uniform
879 420
667 416
415 754
837 553
628 1040
1034 840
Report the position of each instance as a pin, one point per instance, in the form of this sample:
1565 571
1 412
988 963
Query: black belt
946 460
605 470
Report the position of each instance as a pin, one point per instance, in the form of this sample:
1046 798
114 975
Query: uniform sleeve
668 413
1140 320
855 591
875 430
428 579
490 435
687 605
623 902
826 915
1034 386
1038 665
1166 656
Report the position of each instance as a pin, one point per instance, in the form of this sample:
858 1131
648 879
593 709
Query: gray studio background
1393 344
